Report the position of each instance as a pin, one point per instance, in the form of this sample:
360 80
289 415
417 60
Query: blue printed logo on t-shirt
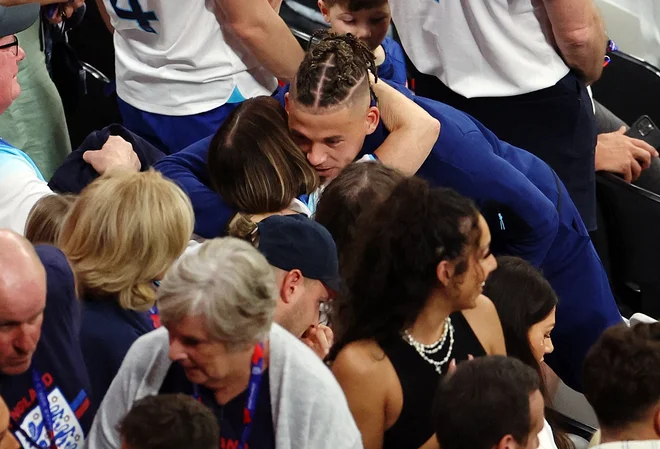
143 18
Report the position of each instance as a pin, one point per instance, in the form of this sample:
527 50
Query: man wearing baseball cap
304 258
43 379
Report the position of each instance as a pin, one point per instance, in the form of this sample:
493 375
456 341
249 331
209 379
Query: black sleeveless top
419 381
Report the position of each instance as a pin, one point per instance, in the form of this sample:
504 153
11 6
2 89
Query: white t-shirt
21 186
173 58
546 440
493 48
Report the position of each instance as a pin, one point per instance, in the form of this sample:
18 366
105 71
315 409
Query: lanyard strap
256 373
42 400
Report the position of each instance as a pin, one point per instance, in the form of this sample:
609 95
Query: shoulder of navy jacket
403 89
502 218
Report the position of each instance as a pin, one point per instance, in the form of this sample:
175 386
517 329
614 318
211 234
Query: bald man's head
22 302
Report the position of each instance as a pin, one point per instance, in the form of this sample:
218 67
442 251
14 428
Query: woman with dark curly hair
414 308
357 190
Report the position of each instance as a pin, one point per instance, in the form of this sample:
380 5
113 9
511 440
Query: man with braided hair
334 121
410 127
527 206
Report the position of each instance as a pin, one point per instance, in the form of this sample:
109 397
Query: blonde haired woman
121 236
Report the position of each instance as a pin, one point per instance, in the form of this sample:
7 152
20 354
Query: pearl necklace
426 350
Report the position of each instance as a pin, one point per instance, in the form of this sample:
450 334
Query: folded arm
413 131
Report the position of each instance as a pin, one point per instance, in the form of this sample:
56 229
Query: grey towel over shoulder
309 407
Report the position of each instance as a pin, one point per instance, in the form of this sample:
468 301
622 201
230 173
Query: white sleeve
367 158
20 189
546 439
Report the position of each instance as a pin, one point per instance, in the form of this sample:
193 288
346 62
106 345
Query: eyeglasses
13 46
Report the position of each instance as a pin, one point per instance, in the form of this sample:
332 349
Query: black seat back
632 218
630 88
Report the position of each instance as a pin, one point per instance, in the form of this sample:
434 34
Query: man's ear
656 421
285 297
324 10
286 102
445 271
508 442
372 119
292 281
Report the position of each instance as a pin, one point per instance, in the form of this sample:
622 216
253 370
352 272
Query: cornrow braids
334 68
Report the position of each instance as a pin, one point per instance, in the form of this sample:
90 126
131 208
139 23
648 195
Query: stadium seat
630 88
631 215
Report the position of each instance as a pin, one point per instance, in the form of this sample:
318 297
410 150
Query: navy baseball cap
14 19
291 242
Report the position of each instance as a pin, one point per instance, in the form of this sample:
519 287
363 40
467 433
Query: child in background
170 421
46 218
369 20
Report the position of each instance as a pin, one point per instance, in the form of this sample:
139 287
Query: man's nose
27 338
316 155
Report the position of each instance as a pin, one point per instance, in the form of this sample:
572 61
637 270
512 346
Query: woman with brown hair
121 235
256 168
527 306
